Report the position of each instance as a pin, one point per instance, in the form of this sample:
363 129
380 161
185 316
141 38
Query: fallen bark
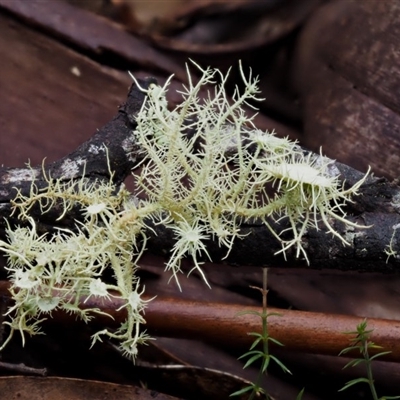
377 205
303 331
220 324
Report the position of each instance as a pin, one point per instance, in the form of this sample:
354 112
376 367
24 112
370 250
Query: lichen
200 186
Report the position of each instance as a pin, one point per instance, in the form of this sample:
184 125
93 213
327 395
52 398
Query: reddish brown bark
227 326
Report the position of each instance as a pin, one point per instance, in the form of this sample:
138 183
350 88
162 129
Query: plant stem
264 317
369 371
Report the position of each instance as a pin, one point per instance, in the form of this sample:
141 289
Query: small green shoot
300 395
363 344
263 354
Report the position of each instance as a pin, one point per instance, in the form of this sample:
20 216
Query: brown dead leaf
349 77
218 28
32 388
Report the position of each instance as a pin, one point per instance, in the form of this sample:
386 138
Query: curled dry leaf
219 28
348 74
23 387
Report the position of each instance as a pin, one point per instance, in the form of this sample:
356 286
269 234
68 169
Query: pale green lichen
205 170
389 250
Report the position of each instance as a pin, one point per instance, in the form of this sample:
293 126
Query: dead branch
377 205
225 324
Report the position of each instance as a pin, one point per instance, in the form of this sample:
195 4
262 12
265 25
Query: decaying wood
377 205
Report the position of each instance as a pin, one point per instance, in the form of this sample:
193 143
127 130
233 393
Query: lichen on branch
205 169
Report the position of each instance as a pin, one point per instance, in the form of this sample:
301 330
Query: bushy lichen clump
205 169
54 271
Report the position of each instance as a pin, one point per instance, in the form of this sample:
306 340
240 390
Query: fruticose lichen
205 169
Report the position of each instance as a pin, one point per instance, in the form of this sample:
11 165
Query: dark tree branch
111 148
377 205
90 158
